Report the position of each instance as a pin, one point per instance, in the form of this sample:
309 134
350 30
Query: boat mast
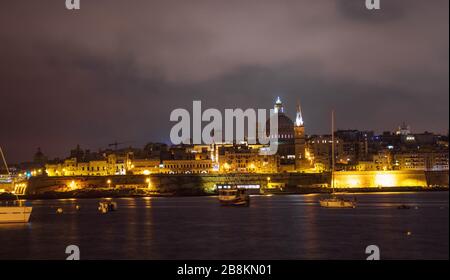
332 150
4 160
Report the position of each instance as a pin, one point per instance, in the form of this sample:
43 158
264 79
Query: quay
205 184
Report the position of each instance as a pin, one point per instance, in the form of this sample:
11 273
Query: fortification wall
354 179
205 183
194 183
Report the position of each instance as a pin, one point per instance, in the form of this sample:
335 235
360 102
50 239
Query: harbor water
272 227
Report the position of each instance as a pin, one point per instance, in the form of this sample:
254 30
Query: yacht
12 210
334 201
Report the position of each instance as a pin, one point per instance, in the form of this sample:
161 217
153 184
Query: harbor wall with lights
196 184
172 183
378 179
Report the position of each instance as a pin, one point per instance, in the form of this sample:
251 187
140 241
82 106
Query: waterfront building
247 160
381 161
355 144
186 167
434 160
319 150
143 166
110 165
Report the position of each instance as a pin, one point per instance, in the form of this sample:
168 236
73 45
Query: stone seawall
368 179
173 183
197 184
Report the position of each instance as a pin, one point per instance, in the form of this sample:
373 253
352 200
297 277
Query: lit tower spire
278 108
299 117
301 161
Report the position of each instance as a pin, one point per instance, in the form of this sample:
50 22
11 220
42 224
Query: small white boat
337 202
14 212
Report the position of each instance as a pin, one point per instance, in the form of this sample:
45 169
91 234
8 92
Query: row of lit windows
187 172
170 166
323 141
282 136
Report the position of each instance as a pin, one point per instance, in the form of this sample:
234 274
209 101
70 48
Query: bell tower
301 162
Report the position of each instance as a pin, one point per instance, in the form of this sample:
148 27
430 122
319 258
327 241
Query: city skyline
125 143
92 81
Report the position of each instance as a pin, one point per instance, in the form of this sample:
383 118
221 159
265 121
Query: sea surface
273 227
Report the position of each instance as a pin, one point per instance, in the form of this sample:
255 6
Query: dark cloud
115 69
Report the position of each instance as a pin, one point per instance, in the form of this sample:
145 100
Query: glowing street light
72 185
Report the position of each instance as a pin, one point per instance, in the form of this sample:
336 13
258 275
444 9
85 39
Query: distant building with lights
403 129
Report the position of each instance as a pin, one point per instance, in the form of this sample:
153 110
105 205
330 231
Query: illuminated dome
285 133
285 128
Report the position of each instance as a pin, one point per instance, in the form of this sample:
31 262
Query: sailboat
334 201
12 210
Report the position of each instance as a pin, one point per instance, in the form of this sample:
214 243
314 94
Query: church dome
285 125
285 128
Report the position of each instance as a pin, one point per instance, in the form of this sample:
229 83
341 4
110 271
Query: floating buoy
59 210
408 233
77 207
416 208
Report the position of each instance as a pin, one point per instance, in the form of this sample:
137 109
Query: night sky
114 70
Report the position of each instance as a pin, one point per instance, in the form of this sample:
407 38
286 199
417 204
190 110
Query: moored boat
13 210
234 197
337 202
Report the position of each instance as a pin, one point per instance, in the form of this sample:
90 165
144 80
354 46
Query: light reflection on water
273 227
